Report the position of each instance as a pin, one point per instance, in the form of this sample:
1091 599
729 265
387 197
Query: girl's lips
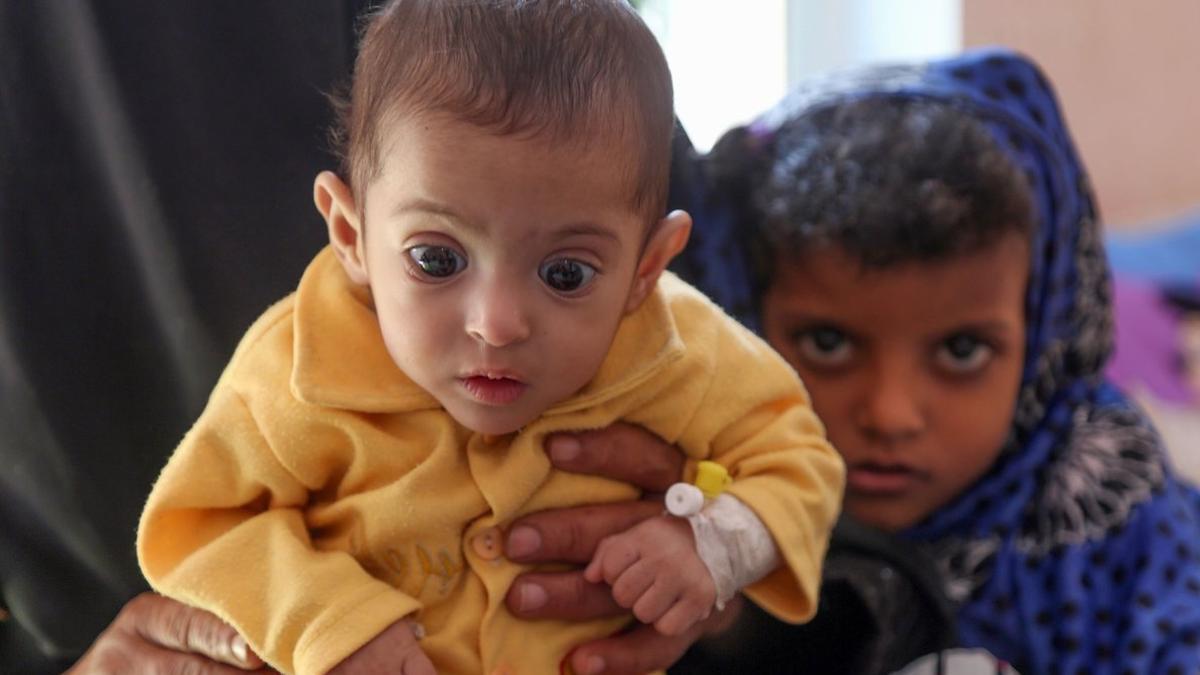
489 391
883 480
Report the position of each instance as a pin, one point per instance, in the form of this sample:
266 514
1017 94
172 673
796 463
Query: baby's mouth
493 388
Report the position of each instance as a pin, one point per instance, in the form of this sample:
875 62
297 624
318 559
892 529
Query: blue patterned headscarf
1078 552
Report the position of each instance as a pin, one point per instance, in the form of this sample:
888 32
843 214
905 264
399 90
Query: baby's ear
335 201
667 239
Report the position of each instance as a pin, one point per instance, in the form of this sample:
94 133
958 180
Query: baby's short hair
579 71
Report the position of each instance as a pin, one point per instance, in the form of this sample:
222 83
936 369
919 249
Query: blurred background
1127 78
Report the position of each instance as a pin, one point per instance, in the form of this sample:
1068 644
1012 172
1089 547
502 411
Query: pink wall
1128 75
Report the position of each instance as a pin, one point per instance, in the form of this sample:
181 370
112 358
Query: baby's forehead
524 185
596 135
607 159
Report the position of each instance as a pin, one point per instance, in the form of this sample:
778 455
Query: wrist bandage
734 544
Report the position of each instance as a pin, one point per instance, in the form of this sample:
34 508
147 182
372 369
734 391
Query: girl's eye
565 275
438 262
963 354
824 346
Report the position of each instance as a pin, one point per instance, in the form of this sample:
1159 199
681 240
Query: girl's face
914 368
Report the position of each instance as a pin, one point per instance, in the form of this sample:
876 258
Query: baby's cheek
579 356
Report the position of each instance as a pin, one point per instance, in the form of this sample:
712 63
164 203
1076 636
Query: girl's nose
892 408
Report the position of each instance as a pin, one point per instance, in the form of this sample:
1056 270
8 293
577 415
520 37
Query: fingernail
531 597
564 449
238 646
592 665
523 541
588 571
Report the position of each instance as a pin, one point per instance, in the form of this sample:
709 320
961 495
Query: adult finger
643 649
162 661
623 452
565 596
181 628
122 652
571 534
418 663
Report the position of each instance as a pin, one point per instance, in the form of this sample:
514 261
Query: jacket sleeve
757 421
224 530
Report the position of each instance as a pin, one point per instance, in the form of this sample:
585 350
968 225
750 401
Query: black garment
881 608
156 162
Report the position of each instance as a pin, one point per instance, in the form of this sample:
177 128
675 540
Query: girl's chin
890 518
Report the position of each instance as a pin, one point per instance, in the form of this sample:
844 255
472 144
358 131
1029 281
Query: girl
926 245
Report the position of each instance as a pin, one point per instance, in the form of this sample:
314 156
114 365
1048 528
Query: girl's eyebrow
984 323
799 320
997 328
994 325
806 315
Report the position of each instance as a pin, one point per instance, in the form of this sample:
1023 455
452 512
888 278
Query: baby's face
914 369
499 266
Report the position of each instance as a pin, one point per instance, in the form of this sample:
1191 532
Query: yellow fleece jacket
322 495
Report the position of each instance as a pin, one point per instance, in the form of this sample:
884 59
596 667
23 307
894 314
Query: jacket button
487 544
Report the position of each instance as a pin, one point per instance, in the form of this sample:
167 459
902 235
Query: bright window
732 60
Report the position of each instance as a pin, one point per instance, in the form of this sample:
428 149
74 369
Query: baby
494 275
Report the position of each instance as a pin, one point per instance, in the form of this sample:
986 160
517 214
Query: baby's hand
395 650
654 569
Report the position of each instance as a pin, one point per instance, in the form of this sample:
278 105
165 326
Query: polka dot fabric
1078 552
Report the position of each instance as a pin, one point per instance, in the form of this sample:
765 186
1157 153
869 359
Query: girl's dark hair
887 180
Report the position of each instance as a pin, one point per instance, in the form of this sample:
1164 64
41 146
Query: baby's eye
824 346
565 275
438 262
963 354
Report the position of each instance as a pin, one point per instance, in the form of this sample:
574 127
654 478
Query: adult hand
155 635
621 452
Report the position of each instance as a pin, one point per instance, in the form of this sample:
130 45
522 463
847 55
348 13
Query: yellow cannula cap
711 478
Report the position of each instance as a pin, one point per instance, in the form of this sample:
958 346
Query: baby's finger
655 603
616 559
594 572
680 617
632 584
